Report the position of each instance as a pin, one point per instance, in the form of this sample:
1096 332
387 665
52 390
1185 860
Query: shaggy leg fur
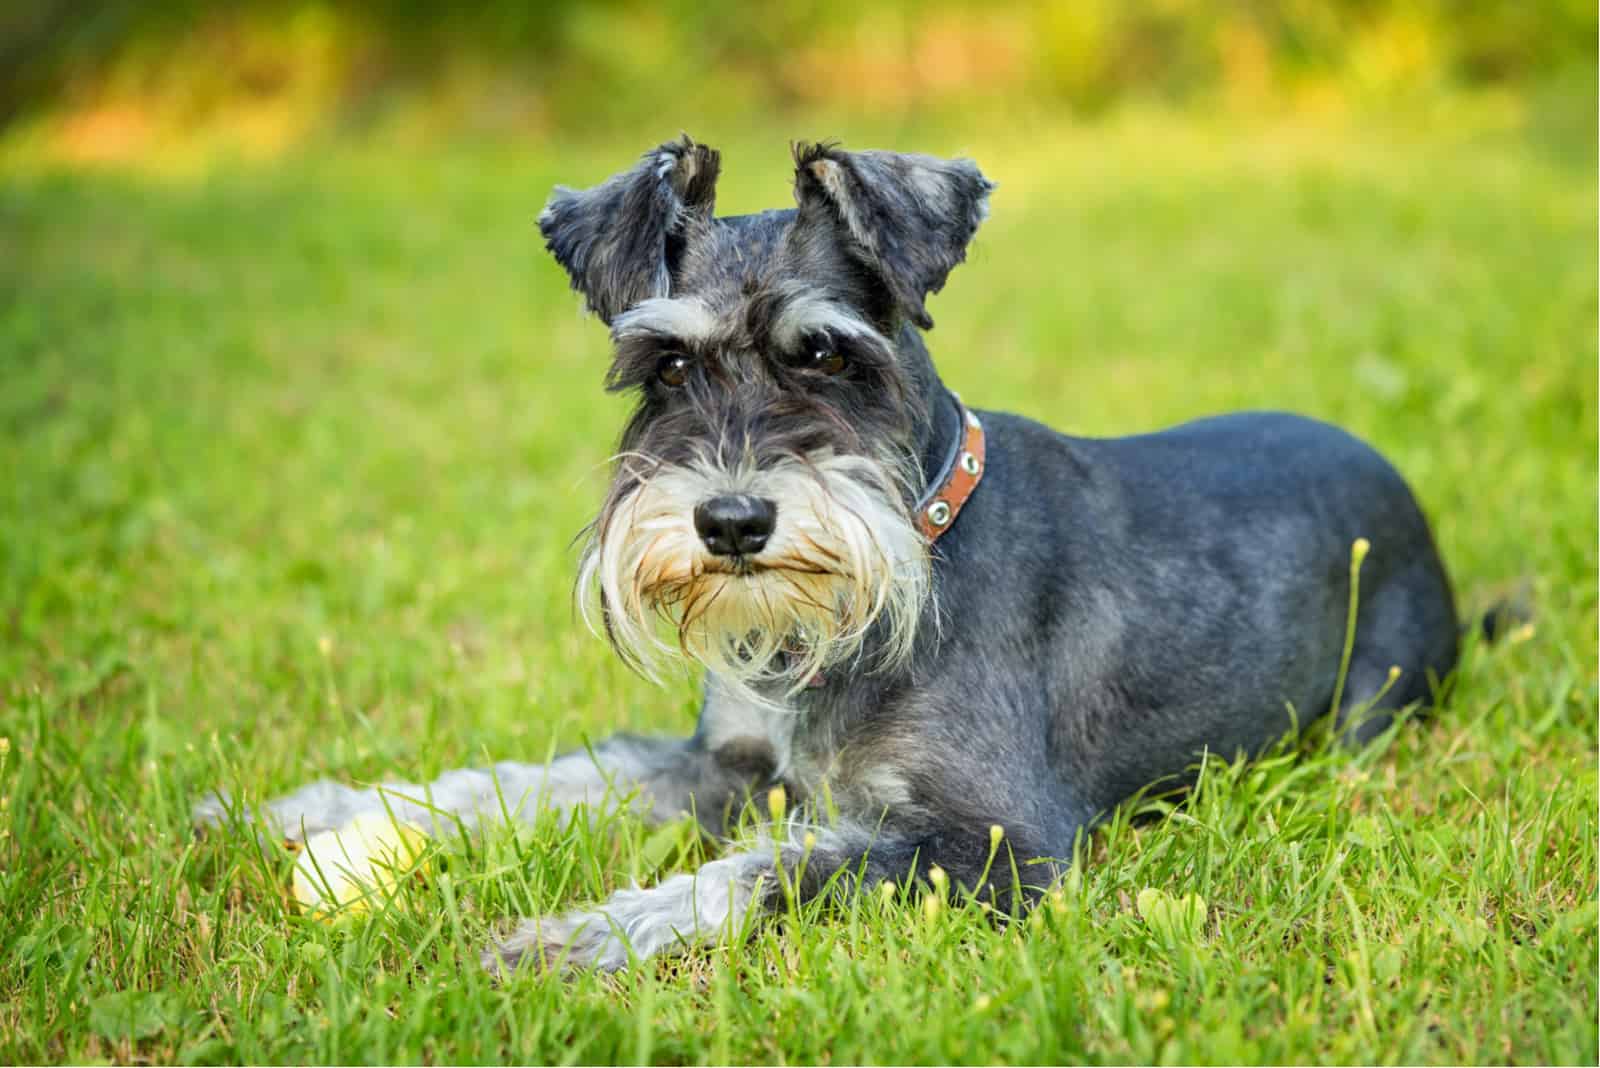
658 778
716 901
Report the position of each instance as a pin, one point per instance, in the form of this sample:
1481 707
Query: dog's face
762 496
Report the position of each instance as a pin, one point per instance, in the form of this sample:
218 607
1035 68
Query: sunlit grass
290 460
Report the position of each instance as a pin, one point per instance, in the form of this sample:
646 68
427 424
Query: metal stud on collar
958 476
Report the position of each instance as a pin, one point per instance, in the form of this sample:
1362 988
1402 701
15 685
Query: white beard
842 556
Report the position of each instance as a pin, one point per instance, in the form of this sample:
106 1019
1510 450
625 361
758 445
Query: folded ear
618 240
909 217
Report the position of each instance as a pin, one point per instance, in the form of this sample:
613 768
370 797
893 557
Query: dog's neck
937 436
945 434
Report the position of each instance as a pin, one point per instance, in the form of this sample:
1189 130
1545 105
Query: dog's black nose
735 524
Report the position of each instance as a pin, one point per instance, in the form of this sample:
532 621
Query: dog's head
762 496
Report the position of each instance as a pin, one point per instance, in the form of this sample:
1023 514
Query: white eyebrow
685 318
808 314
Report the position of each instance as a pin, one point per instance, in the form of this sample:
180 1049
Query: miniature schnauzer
921 620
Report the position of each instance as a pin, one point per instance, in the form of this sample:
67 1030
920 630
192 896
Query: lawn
292 453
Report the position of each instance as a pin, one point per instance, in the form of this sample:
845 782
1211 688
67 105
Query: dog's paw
320 806
217 811
211 811
574 942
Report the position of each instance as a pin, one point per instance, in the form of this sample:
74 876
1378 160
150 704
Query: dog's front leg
719 899
660 778
681 911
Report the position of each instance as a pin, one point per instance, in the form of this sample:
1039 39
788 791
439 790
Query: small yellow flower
996 833
777 803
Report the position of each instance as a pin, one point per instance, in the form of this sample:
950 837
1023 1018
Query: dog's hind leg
659 778
1405 647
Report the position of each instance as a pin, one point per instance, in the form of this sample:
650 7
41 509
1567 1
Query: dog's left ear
619 240
909 217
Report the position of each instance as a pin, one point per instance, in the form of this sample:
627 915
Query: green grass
291 454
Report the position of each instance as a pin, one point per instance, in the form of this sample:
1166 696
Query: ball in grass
348 869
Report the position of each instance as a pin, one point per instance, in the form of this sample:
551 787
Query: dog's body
1098 614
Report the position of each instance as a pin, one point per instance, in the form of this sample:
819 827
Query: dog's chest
811 752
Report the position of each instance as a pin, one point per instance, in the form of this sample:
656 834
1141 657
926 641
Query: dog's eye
673 370
825 362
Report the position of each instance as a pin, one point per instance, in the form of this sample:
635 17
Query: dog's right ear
618 241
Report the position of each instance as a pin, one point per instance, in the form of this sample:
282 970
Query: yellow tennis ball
346 869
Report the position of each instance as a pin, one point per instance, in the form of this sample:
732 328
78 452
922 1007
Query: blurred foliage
277 70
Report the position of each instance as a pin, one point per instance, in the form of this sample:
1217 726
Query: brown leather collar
963 469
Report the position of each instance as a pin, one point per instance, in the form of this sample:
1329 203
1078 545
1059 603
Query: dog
938 624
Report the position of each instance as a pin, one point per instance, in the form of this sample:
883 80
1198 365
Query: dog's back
1188 590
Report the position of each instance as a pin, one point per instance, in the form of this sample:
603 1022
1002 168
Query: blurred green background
262 74
298 422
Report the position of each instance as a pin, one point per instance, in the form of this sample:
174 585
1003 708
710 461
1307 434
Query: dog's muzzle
774 573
